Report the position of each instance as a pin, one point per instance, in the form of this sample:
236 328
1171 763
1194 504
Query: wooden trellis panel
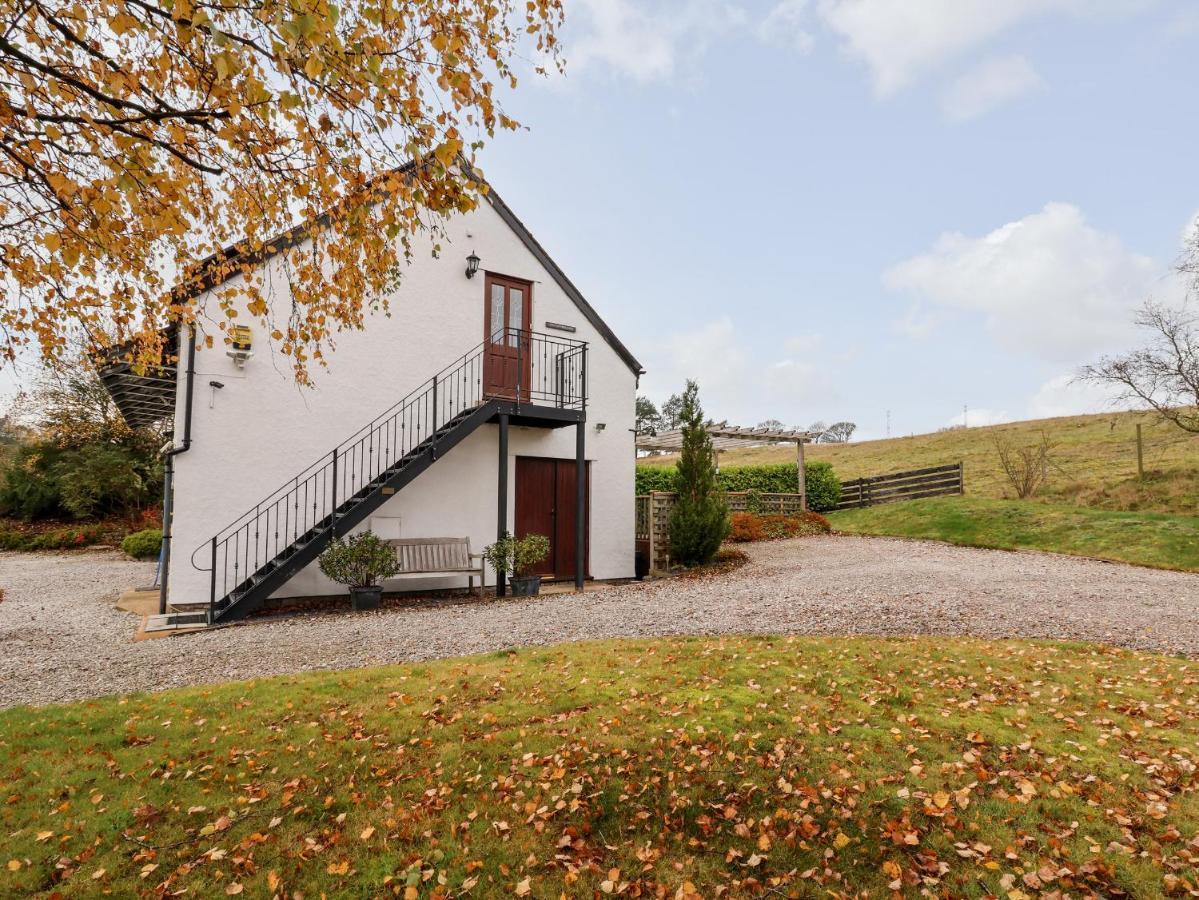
653 518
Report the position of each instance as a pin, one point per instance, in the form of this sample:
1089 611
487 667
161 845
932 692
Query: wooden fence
653 509
931 482
653 519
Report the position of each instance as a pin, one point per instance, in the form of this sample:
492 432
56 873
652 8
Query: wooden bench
439 556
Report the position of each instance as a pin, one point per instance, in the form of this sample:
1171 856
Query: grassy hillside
1147 539
1096 460
738 767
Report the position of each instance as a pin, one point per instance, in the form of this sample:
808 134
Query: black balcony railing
520 367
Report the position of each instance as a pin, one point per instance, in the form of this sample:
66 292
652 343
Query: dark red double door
545 504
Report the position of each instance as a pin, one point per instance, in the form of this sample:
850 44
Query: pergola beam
725 437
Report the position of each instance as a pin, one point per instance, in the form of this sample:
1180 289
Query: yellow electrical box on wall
240 343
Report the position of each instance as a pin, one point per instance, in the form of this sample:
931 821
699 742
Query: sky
920 212
862 209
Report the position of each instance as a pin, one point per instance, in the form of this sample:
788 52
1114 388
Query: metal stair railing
550 371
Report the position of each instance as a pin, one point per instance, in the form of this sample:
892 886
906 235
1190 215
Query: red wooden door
545 504
508 310
565 525
536 493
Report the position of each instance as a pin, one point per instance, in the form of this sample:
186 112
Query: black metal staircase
270 543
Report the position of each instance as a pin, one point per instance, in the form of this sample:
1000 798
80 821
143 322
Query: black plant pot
525 585
640 565
364 598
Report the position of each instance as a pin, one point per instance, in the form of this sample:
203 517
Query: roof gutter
170 451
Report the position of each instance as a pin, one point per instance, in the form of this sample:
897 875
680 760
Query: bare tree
1026 468
839 433
1164 374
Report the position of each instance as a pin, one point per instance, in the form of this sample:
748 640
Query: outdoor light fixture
472 264
600 426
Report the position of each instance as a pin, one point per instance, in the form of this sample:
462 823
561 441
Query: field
1148 539
1094 460
672 767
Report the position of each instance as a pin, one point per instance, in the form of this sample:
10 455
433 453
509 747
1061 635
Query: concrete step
176 621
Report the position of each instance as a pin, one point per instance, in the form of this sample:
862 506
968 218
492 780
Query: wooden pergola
728 437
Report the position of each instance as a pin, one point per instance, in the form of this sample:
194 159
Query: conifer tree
700 519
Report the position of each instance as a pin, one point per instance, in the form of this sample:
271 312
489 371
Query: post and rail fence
935 481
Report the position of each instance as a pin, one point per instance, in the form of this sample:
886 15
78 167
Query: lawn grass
671 767
1095 462
1147 539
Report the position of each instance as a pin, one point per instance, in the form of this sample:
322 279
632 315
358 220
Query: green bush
29 489
143 544
98 480
45 481
517 556
775 478
362 560
50 539
656 478
824 488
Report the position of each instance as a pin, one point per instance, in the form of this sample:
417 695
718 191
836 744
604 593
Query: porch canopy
729 437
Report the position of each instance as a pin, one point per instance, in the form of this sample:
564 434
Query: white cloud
803 344
901 40
1050 284
737 383
1184 25
642 40
1065 395
989 84
786 25
918 321
976 418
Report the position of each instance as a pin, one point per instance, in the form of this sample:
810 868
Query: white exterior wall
260 429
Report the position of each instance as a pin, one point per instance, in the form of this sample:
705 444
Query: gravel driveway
61 638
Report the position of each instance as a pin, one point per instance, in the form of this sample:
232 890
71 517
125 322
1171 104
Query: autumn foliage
729 767
747 526
138 137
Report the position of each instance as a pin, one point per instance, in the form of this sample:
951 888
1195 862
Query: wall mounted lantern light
472 264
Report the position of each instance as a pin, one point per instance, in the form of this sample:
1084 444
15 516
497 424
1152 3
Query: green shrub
98 480
656 478
29 489
517 556
700 518
45 481
362 560
68 538
824 488
143 544
774 478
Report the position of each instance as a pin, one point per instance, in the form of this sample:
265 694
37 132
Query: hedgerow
824 488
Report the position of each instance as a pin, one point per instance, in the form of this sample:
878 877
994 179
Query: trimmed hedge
143 544
824 488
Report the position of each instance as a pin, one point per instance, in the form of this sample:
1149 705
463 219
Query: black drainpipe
168 476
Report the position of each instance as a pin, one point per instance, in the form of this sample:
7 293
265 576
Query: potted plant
360 562
516 557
